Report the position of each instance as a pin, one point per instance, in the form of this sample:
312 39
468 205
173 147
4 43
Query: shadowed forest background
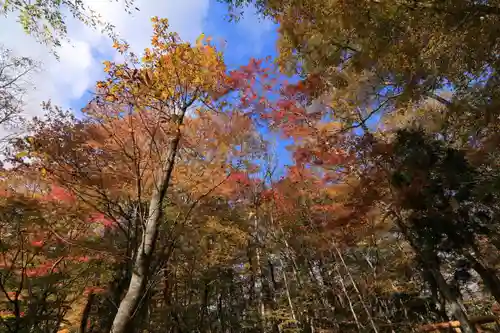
164 206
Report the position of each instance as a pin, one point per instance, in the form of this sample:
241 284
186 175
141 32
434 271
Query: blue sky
250 37
69 80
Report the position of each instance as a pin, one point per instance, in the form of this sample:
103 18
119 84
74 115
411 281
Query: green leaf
22 154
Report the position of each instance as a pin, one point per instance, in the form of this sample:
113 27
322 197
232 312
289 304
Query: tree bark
456 306
140 274
86 313
487 274
259 283
289 298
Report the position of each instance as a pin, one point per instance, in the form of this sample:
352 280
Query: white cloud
80 64
254 28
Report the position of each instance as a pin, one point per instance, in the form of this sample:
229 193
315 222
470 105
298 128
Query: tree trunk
487 274
86 313
259 283
107 305
354 285
344 289
287 290
140 274
456 306
440 304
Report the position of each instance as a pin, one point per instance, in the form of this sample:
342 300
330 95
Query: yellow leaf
22 154
200 39
107 66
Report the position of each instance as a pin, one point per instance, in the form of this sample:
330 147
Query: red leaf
37 243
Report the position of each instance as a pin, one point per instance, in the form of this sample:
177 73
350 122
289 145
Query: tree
45 261
46 20
175 76
13 85
120 159
369 230
377 55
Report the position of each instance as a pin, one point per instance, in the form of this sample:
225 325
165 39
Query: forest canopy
165 208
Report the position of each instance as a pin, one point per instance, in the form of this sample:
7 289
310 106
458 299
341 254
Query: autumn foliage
165 207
